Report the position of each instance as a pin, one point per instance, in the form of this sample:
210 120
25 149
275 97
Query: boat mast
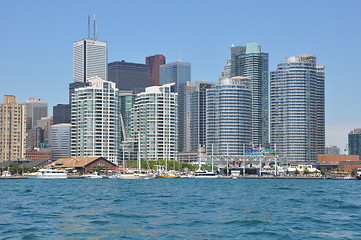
139 152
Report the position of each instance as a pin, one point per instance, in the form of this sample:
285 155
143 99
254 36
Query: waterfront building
61 114
195 115
228 116
128 76
36 108
154 62
332 150
251 62
95 120
12 129
178 73
60 140
126 103
354 142
298 109
155 122
90 58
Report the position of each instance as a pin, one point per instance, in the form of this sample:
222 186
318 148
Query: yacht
133 175
47 173
91 175
205 174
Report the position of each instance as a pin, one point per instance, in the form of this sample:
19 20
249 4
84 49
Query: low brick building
332 161
83 164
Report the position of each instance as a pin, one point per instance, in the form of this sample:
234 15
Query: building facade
332 150
95 120
298 109
36 108
154 62
61 113
354 142
12 129
195 115
60 140
155 123
228 116
90 58
251 62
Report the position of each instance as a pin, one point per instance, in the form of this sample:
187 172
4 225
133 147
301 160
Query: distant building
249 61
345 162
228 116
12 129
60 140
83 164
62 113
128 76
90 58
38 155
178 73
126 103
36 108
95 120
154 62
155 122
333 150
298 109
354 142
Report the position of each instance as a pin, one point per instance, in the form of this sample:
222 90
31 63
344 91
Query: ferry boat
48 174
205 174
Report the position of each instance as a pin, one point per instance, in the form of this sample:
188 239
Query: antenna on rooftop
94 27
88 26
179 53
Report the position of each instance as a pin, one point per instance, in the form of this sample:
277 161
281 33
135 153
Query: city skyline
197 39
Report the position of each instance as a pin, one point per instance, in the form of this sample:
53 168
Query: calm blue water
180 209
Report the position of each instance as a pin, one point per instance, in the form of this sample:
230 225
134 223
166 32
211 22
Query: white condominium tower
90 59
298 109
95 120
155 122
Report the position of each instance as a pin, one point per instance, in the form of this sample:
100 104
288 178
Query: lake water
180 209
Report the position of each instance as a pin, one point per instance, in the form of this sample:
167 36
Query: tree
14 168
354 172
296 171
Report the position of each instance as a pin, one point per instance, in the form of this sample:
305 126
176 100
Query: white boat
205 174
91 175
6 174
133 175
48 174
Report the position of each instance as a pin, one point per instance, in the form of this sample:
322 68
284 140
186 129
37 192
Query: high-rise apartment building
126 103
354 142
195 115
298 109
228 116
154 62
332 150
155 122
36 108
95 120
178 73
12 129
61 114
128 76
90 58
60 140
251 62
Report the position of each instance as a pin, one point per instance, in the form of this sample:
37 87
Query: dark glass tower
354 142
154 62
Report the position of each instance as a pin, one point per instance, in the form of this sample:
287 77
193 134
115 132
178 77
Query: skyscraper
95 120
228 116
195 115
154 62
90 58
178 73
60 140
128 76
61 114
36 108
250 62
12 129
155 122
354 142
298 109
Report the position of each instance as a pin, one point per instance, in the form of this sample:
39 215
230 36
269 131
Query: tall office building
128 76
61 114
12 129
155 122
154 62
60 140
228 116
95 124
90 58
36 108
298 109
354 142
195 115
251 62
178 73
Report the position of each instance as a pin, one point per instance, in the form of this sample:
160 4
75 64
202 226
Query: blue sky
36 54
